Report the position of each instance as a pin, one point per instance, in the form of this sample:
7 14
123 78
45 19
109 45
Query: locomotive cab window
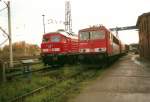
45 39
84 36
97 35
55 38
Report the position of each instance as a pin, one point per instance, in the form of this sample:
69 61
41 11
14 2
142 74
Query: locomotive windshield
91 35
97 35
55 38
84 36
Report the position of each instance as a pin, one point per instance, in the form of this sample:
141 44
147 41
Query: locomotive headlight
45 50
103 49
100 49
84 50
55 49
87 50
80 50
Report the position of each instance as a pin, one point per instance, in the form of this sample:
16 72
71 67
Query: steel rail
31 93
34 71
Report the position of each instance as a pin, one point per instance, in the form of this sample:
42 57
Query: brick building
143 24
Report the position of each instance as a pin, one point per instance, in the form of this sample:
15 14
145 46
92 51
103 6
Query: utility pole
44 22
9 33
10 36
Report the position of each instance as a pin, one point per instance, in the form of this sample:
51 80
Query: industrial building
143 24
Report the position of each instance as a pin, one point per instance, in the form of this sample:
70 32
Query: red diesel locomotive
58 48
98 45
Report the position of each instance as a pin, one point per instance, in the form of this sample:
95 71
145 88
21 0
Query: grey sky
27 16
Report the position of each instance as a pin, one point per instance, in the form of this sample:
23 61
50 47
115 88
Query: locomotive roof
94 28
69 35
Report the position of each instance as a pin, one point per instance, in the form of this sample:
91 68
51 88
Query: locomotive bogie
53 60
92 58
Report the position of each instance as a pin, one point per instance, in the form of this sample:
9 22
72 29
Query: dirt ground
125 81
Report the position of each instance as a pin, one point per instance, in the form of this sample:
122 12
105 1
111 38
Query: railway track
45 69
20 58
33 92
19 69
22 97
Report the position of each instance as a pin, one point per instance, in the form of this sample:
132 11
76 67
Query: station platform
127 80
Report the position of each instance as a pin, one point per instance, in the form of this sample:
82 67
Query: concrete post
10 36
2 72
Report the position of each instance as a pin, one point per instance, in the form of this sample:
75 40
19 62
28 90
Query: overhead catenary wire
9 31
3 42
4 31
3 9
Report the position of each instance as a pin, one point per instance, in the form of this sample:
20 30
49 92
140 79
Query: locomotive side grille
45 50
65 47
74 47
55 49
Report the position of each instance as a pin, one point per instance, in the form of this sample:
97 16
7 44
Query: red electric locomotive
97 45
58 48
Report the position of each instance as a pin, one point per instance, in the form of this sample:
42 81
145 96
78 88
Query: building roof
141 16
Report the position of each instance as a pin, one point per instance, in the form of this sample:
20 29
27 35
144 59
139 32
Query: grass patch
59 93
37 66
66 89
19 87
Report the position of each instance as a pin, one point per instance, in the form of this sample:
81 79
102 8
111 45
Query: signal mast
68 20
